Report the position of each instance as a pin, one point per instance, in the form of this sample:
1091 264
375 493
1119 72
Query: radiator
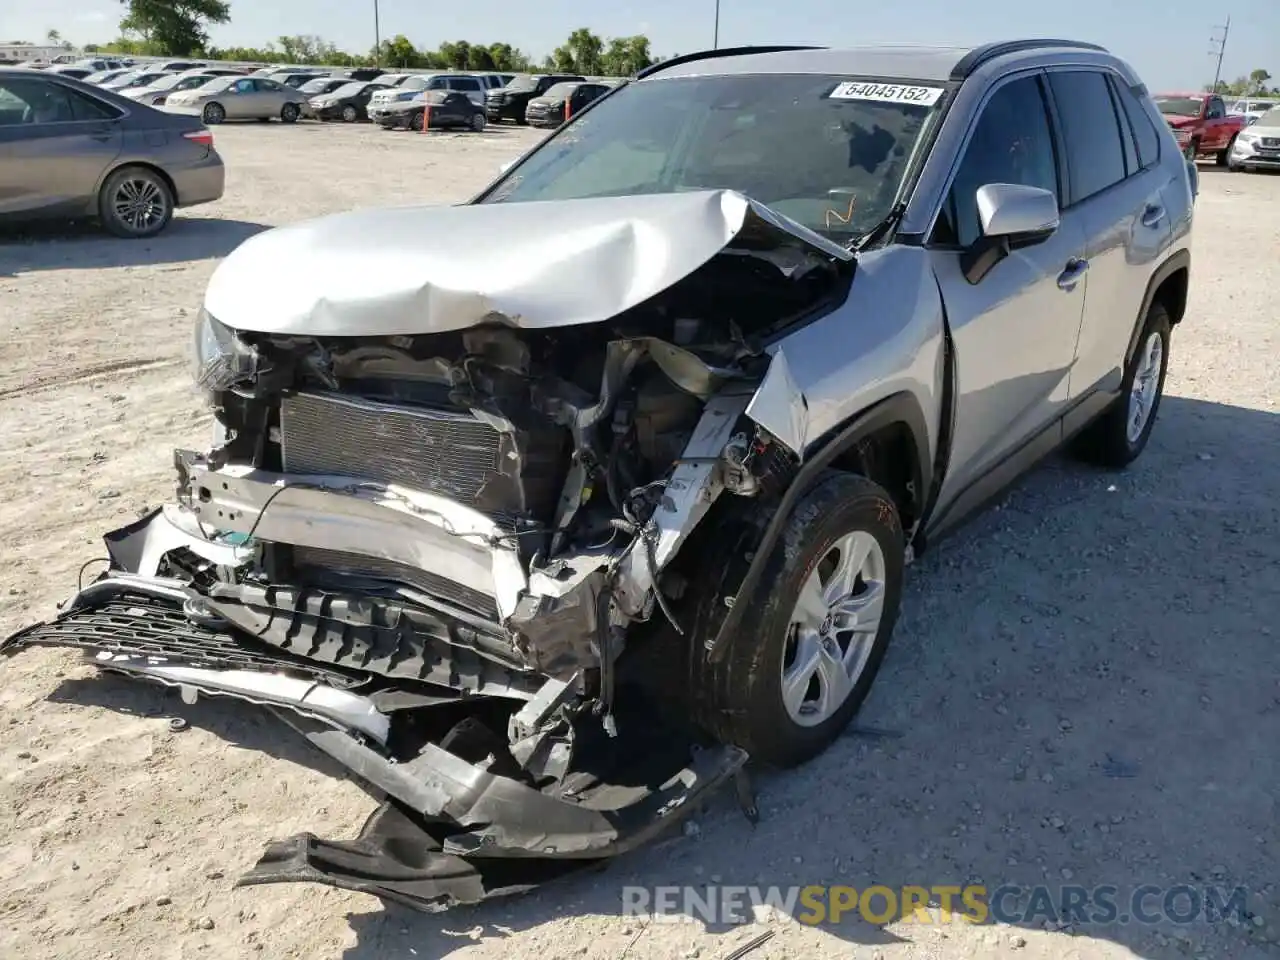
448 452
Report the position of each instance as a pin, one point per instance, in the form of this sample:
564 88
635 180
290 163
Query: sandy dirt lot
1084 686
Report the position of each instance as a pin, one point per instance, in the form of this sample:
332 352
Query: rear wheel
1223 157
1120 434
290 112
815 631
213 113
350 114
135 202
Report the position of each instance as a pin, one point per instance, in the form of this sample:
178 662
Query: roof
892 62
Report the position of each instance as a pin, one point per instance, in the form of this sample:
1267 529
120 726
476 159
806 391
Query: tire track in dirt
91 372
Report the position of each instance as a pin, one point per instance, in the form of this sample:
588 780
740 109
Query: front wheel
290 112
815 631
213 113
350 114
1121 433
418 122
1223 157
478 122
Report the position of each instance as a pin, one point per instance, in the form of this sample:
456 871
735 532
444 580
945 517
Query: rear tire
290 112
1117 438
758 695
1223 157
135 203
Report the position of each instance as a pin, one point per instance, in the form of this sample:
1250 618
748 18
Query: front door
1015 329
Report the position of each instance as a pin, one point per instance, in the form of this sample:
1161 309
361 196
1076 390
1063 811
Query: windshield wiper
881 229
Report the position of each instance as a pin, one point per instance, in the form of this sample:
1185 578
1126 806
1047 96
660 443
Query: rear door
57 152
1115 191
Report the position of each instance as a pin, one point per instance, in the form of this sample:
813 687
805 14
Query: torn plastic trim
141 547
561 263
341 709
780 406
413 527
510 819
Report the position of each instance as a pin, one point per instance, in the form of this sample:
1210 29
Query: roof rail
719 52
976 57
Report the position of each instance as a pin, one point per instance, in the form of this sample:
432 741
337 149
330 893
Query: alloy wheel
139 203
833 628
1146 382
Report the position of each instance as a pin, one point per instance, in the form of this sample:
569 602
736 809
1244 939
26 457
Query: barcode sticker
886 93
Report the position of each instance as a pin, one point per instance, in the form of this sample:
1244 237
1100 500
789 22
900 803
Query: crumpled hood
537 265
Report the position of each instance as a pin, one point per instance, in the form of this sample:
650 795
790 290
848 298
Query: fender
1180 260
896 408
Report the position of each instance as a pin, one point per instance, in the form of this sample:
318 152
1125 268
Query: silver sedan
239 98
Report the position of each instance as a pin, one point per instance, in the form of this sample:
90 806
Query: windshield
1270 119
1179 106
145 79
521 84
350 89
175 80
323 85
219 83
828 153
560 91
416 83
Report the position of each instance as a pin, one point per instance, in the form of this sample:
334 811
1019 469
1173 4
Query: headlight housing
220 359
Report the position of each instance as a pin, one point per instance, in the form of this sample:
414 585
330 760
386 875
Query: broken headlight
220 360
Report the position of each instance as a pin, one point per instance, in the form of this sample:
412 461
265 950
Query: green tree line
1254 85
180 28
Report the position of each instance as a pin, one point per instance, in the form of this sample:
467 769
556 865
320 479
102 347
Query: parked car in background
294 78
509 102
319 86
72 150
157 94
1200 124
137 77
103 76
1251 108
177 66
446 109
1257 147
99 64
360 73
411 87
239 98
349 103
562 101
75 71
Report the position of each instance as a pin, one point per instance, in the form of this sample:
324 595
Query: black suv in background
509 102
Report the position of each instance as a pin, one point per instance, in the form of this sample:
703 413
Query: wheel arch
894 427
118 165
1168 285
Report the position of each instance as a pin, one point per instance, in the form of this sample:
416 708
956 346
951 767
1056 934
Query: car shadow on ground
86 246
1082 693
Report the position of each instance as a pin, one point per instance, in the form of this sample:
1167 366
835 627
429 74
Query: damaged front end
438 548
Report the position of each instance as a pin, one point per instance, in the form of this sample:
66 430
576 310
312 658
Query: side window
1131 164
86 108
466 83
34 101
1091 131
1011 143
1144 131
248 86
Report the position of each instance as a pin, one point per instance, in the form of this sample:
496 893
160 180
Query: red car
1201 124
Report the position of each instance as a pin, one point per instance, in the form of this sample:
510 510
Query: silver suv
545 537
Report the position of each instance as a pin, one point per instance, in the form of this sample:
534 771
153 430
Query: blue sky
1166 40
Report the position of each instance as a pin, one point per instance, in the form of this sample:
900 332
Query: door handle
1152 215
1074 272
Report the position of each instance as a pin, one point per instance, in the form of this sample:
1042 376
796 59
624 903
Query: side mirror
1016 211
1011 215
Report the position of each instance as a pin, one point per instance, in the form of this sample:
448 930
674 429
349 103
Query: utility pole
1222 48
715 41
377 37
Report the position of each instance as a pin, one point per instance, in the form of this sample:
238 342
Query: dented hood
536 265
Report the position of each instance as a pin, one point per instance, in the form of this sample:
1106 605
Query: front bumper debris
455 827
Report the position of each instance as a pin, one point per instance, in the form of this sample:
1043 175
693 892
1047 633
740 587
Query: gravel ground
1083 686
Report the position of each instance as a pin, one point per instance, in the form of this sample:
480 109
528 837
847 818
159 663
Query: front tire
135 203
1121 433
289 113
815 631
478 122
350 114
213 113
1223 157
